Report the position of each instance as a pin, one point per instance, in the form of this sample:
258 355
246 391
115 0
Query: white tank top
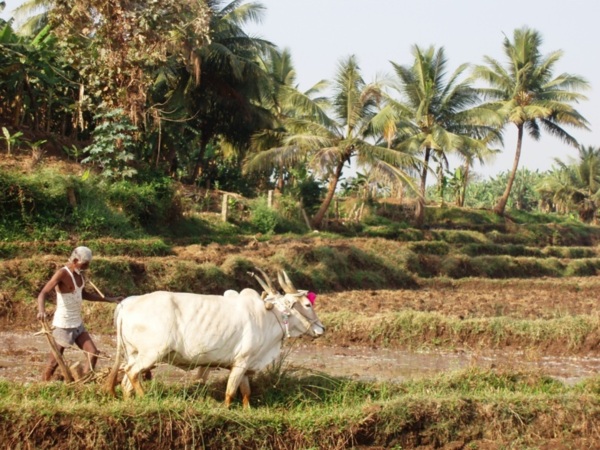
68 306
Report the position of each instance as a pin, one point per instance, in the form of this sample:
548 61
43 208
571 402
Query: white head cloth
82 254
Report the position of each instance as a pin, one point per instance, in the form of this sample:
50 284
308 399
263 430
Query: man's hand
42 315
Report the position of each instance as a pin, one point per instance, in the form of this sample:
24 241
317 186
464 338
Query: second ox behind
243 333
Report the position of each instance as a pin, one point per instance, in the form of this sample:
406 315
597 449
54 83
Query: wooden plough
71 376
46 331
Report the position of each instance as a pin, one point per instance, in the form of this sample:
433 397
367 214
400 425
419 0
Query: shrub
113 145
153 206
263 218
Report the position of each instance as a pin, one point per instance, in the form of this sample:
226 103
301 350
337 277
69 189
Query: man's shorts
66 337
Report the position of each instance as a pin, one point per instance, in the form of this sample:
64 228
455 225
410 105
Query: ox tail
111 380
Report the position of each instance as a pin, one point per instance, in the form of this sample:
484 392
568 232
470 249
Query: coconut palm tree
576 183
283 99
281 94
435 115
329 141
529 96
32 15
221 92
202 88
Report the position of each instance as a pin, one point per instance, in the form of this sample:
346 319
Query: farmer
68 282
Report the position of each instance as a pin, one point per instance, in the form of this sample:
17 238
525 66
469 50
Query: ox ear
303 294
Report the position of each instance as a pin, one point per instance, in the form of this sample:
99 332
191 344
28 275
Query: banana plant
11 139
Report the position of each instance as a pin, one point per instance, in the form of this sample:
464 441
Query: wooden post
71 197
270 198
224 207
306 220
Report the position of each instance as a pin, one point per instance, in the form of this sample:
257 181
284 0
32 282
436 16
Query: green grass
307 410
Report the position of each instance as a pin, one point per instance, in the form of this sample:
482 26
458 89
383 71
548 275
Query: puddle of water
23 356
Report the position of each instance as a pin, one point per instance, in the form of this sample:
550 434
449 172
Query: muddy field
23 354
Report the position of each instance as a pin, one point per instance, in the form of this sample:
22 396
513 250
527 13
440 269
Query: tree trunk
420 209
280 181
159 143
463 188
18 108
35 112
199 161
49 113
501 206
333 182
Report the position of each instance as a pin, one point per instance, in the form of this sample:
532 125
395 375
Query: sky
320 33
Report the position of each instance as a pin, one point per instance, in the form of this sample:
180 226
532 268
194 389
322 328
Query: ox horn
272 288
260 281
265 282
285 282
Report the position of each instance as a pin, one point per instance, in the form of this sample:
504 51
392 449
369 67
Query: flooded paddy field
23 356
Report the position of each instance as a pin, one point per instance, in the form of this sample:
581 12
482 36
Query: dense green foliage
50 206
180 90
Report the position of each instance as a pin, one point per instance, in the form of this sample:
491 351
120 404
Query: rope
286 311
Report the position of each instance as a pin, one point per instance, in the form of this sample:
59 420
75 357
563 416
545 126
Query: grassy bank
417 330
476 408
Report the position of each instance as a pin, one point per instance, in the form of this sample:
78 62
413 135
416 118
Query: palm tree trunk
420 209
333 182
280 181
501 206
463 188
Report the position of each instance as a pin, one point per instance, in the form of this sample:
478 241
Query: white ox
242 333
